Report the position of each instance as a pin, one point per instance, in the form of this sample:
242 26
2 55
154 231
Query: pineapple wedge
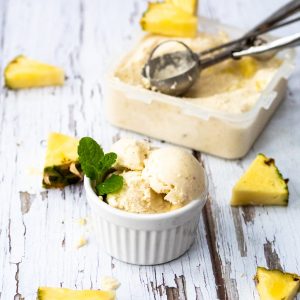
262 184
189 6
276 285
166 19
23 72
61 164
47 293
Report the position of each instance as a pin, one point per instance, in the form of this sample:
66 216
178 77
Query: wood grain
39 229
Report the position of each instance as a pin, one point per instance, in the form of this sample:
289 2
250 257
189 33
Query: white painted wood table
38 229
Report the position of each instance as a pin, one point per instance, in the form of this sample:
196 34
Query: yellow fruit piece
262 184
23 72
189 6
61 164
82 221
276 285
81 242
166 19
61 149
47 293
247 67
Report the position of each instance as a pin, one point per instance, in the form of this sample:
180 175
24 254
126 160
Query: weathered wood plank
42 224
39 230
247 237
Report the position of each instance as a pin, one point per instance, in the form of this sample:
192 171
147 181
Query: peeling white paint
37 239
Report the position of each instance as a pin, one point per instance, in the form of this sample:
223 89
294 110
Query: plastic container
144 239
181 122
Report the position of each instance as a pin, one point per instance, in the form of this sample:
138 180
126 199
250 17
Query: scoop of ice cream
175 173
131 154
137 196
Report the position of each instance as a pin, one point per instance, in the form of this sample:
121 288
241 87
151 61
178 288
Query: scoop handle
282 13
285 42
274 21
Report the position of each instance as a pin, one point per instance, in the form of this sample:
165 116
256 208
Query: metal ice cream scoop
174 73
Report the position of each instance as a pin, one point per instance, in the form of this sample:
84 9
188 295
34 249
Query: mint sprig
96 165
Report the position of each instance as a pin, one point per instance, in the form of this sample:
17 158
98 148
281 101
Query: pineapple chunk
47 293
262 184
23 72
276 285
189 6
61 164
166 19
247 66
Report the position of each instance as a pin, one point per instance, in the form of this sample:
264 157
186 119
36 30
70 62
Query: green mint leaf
90 171
90 156
112 184
106 163
108 160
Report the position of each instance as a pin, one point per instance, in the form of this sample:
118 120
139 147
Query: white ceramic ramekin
144 239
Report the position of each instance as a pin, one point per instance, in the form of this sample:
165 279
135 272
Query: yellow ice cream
175 173
131 154
155 180
233 86
137 196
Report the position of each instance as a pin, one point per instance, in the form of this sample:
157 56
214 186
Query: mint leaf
90 171
108 160
90 156
111 184
105 164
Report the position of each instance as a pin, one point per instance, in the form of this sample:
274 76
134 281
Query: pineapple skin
23 72
276 285
251 196
61 167
60 176
48 293
166 19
